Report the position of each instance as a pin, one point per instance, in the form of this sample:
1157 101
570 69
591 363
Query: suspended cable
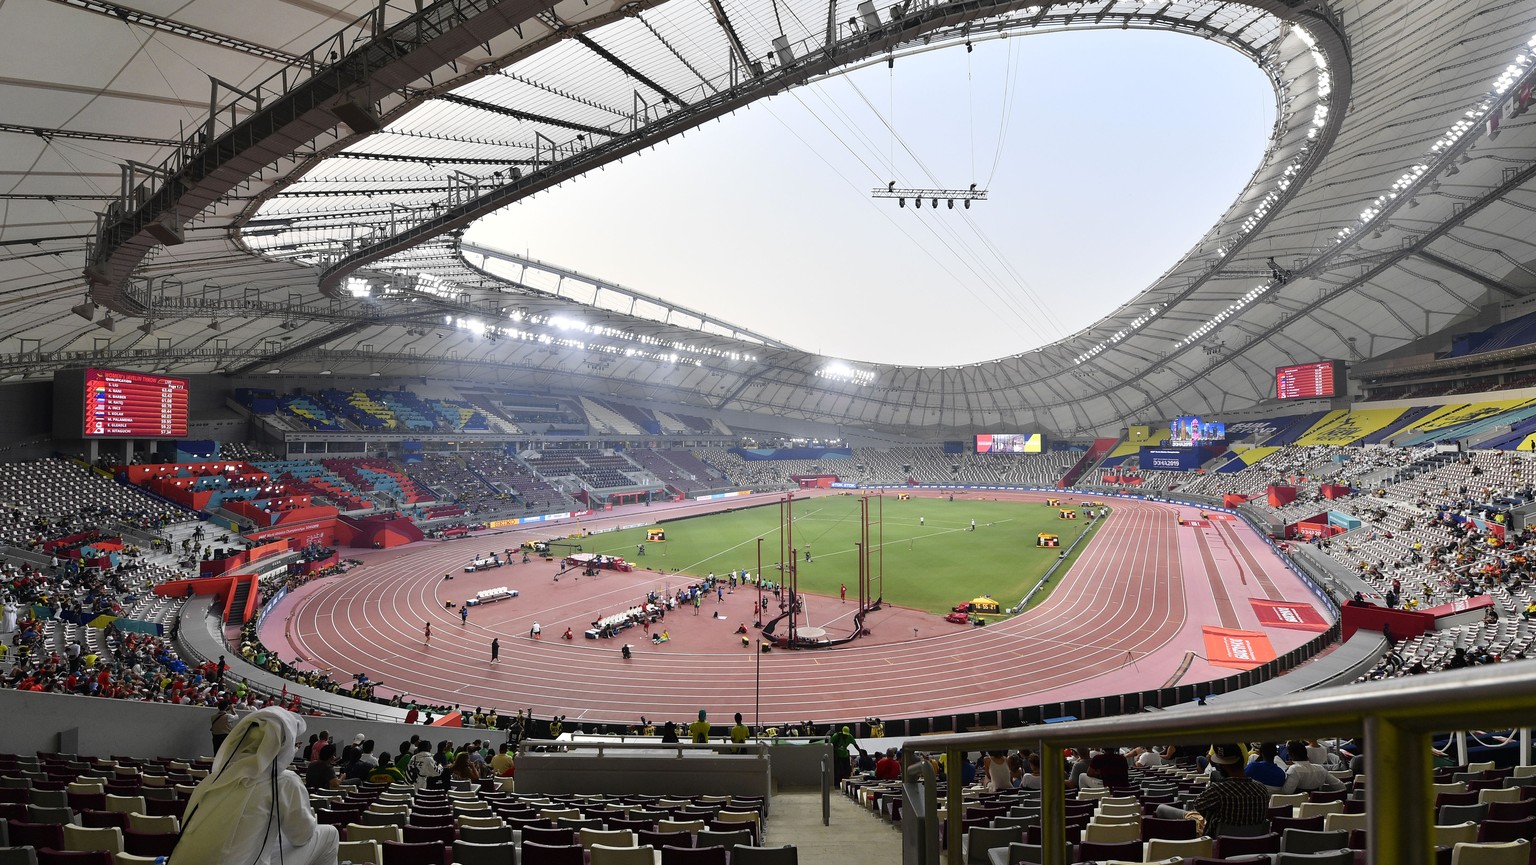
1009 88
1038 306
964 260
970 104
975 261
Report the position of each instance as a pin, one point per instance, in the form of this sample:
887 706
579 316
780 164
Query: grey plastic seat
745 854
980 839
1329 857
470 853
1307 841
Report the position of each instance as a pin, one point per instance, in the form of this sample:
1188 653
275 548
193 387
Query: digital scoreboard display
1190 430
1010 443
119 404
1309 380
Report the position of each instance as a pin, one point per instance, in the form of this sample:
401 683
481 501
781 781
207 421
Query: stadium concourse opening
1143 597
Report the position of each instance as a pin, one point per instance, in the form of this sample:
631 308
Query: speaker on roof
359 117
167 230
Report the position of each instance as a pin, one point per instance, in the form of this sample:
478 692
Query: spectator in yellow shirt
699 730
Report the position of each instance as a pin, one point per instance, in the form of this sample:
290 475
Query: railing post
1053 804
1398 795
954 853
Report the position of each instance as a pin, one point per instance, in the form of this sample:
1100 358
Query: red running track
1119 621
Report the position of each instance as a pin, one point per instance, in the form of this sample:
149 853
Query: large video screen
1190 430
1010 443
1309 380
119 404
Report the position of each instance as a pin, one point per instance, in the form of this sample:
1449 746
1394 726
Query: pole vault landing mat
1288 614
1240 650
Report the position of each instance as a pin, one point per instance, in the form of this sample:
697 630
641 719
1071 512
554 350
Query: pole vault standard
788 555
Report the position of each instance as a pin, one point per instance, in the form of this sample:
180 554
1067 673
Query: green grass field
931 566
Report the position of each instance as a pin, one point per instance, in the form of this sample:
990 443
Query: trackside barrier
1396 719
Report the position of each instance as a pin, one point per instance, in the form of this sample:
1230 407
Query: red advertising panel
1308 380
133 405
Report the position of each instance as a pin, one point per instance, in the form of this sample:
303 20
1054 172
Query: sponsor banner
730 495
269 605
1460 605
844 485
1288 614
751 454
1170 459
1226 518
1240 650
498 524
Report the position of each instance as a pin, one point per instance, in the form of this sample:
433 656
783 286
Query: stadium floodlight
213 324
109 324
86 309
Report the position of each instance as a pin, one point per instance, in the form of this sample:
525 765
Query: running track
1122 620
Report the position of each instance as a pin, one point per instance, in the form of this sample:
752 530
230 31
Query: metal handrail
758 749
1395 718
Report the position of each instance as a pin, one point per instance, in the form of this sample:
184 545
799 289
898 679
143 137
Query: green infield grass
931 565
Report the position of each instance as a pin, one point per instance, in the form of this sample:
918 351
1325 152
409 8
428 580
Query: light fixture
1412 203
85 309
108 324
147 327
213 324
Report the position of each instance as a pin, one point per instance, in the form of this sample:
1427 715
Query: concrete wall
97 727
644 773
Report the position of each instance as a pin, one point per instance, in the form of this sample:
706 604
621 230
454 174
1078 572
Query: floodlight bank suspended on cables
965 196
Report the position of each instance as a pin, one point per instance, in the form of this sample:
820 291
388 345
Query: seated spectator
249 808
320 774
1232 804
1303 775
1265 769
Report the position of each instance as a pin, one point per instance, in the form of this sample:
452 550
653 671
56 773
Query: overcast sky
1106 155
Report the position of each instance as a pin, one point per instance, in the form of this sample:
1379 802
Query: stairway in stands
235 611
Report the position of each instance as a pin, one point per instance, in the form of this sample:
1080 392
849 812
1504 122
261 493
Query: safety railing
601 747
1395 720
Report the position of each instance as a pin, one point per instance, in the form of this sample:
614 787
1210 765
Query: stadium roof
312 223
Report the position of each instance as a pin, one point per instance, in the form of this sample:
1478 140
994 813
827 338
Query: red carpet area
1134 605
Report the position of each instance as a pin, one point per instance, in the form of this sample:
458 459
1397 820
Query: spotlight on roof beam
86 310
213 324
108 324
147 327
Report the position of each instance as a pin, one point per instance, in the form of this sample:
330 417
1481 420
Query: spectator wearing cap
1232 804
